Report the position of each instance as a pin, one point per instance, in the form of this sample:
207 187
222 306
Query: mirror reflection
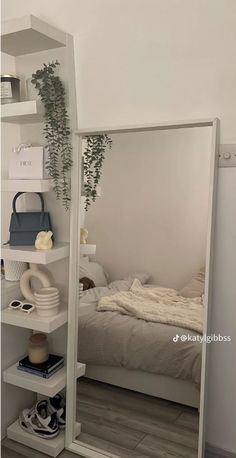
144 223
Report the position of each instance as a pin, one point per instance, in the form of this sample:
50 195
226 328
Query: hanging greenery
94 156
56 129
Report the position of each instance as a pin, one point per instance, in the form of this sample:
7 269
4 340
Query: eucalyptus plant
56 129
94 156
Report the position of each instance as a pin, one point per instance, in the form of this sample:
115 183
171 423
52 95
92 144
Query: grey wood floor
127 424
12 449
130 424
8 453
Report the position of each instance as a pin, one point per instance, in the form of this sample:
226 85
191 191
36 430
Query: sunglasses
23 306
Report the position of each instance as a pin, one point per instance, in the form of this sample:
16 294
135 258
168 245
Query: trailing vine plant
56 129
94 156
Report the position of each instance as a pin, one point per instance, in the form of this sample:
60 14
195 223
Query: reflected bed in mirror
143 308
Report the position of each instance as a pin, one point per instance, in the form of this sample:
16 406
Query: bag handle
14 205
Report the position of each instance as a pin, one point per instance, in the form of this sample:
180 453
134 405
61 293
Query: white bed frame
160 386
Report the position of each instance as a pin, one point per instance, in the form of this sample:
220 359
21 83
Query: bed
137 354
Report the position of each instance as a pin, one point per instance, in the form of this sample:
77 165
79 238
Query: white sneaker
57 405
39 422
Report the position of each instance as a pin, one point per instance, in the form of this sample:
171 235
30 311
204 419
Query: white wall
153 212
155 60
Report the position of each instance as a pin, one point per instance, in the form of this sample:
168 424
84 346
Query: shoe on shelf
39 421
57 405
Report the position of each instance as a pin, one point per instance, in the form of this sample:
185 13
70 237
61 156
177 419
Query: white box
28 163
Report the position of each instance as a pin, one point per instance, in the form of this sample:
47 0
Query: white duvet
157 304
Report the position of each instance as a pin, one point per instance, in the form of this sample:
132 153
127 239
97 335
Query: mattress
113 339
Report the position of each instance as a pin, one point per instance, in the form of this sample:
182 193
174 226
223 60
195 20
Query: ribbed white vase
14 270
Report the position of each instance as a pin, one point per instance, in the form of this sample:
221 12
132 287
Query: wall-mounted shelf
87 249
28 34
33 320
80 370
31 382
27 185
30 254
22 112
22 36
50 447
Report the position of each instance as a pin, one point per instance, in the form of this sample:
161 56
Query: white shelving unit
50 447
80 370
47 387
34 321
22 112
30 254
27 185
87 249
27 35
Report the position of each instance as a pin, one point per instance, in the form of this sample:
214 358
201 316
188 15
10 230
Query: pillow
94 295
83 262
141 276
196 286
94 271
126 283
84 259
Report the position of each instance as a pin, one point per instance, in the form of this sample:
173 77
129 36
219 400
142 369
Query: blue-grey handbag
25 226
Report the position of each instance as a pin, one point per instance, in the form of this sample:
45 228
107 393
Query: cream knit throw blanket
161 305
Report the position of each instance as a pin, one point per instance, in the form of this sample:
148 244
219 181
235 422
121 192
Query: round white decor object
25 282
46 292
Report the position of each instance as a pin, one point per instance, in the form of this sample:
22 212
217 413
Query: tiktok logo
176 338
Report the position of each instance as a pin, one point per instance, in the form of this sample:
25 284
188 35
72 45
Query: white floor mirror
140 290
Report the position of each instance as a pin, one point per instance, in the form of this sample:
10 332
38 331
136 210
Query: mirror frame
71 443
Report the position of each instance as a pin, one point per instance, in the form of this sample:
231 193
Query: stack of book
45 370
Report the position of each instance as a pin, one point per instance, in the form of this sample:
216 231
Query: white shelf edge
87 249
28 34
97 130
30 254
22 112
50 447
80 370
18 185
47 387
33 320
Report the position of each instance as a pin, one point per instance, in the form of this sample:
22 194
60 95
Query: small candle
38 348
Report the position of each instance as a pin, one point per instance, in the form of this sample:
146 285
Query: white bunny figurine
44 240
83 235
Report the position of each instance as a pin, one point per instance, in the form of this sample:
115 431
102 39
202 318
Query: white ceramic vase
47 301
14 270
